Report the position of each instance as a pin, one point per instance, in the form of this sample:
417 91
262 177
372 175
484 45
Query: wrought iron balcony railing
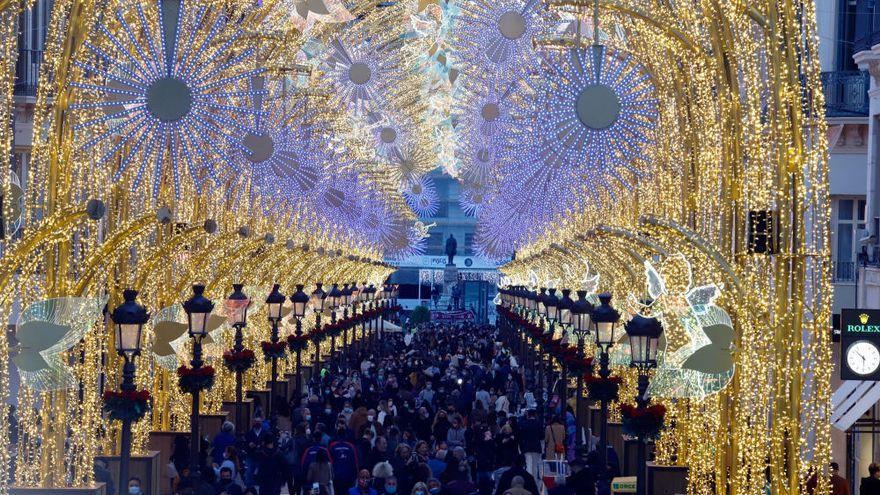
846 93
27 72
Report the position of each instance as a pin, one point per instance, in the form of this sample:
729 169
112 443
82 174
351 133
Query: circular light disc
598 107
512 25
359 73
490 112
261 147
169 99
388 135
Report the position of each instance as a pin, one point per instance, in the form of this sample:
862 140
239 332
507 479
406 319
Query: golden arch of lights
740 129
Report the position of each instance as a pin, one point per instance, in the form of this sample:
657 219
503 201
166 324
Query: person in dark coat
518 469
530 435
871 484
271 471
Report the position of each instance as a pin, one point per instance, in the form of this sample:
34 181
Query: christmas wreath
272 350
600 389
128 405
239 361
297 342
193 380
643 422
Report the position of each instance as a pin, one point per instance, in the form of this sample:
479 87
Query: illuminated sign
860 344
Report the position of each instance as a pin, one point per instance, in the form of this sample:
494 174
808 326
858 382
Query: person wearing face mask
230 461
134 486
347 411
390 485
225 483
434 486
327 415
419 489
372 424
363 484
427 394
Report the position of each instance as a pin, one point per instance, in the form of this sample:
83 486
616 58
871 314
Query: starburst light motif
169 91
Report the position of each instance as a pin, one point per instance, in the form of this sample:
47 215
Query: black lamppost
563 318
540 306
237 305
300 301
274 304
369 295
551 306
317 300
342 302
129 318
604 322
350 299
580 323
644 337
334 297
198 309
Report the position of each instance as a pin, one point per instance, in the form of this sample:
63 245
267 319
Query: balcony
27 72
846 93
844 271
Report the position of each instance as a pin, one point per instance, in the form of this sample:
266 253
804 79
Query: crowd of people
446 410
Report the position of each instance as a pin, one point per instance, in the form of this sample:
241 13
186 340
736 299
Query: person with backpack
344 456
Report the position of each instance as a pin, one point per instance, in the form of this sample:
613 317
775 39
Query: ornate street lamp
551 309
300 300
198 309
274 304
644 336
334 297
129 318
531 297
237 305
604 320
541 306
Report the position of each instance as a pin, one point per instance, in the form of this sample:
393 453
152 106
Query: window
435 244
849 220
469 244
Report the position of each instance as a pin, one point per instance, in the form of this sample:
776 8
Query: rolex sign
860 344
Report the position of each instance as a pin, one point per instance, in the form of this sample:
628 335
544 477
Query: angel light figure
699 335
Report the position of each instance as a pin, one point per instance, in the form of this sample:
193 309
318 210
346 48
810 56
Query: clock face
863 357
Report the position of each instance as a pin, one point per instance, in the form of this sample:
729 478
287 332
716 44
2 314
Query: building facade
420 276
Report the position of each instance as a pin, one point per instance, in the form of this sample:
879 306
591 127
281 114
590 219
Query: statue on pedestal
451 249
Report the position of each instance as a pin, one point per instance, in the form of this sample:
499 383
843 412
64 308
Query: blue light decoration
404 247
472 198
168 93
390 134
592 116
485 124
286 146
497 36
359 73
386 229
421 196
595 113
339 201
